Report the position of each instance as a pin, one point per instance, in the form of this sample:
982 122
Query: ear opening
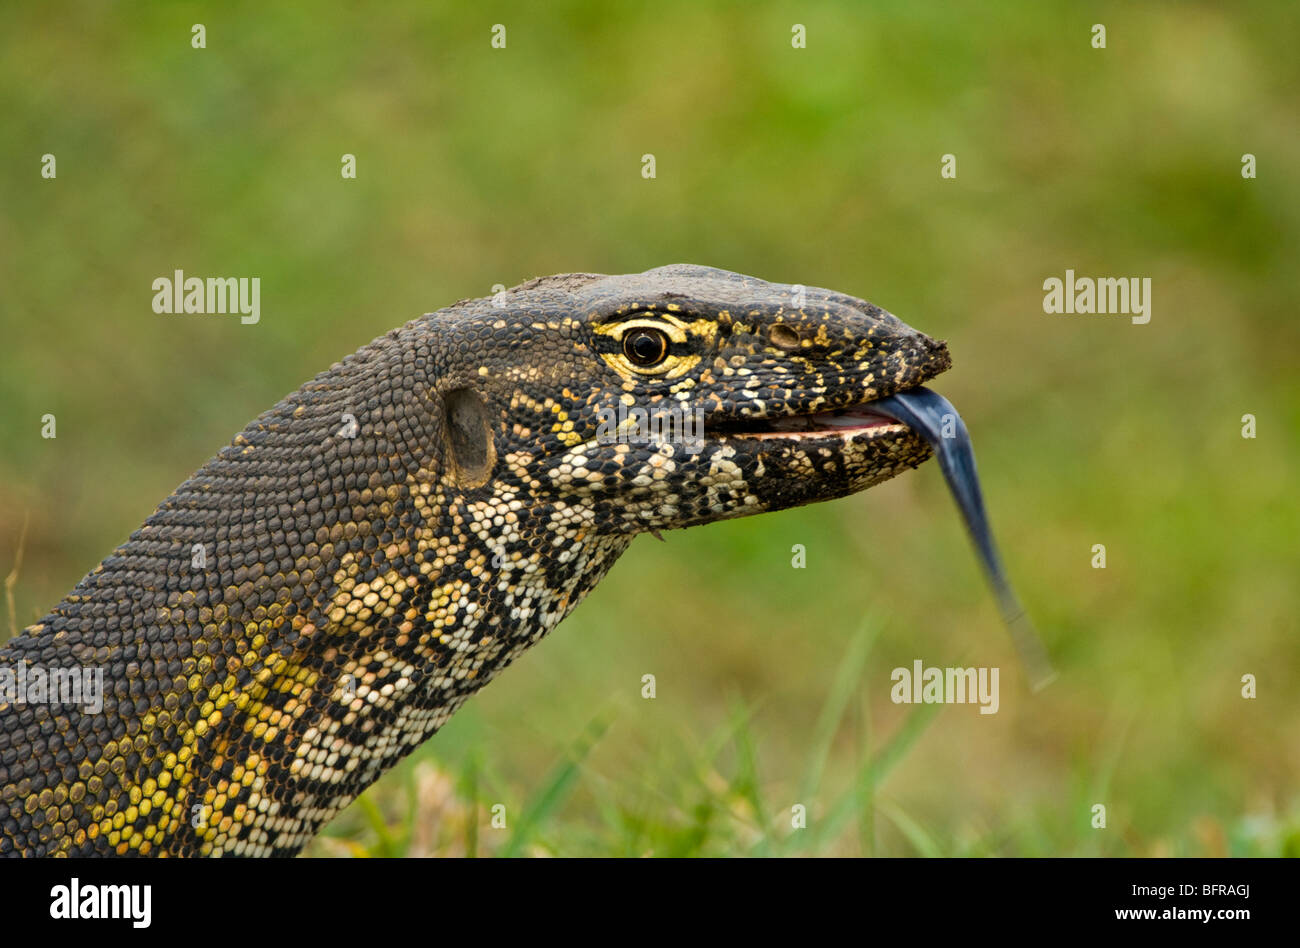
467 438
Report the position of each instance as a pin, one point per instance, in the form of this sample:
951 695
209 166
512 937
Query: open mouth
846 422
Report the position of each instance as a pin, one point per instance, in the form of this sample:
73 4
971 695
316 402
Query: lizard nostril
783 337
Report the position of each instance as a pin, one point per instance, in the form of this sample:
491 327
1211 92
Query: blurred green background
479 166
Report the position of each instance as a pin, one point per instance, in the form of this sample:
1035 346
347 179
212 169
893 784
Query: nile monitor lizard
324 593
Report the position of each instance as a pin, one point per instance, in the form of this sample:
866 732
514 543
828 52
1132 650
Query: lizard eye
649 345
645 346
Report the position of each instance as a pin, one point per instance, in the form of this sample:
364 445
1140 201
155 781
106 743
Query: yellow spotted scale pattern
317 599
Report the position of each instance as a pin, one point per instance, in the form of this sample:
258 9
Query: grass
716 806
717 799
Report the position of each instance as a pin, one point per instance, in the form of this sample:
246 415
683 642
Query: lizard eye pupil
645 346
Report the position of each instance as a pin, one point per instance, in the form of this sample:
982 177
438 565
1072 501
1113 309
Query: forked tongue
932 416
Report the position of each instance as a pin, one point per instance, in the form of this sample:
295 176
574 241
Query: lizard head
683 395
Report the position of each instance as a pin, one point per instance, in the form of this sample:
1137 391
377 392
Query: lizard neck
409 636
307 639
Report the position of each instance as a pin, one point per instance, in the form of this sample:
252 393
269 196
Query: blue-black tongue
932 416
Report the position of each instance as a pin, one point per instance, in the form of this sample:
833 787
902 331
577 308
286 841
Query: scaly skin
323 594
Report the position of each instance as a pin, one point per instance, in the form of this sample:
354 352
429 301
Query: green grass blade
384 846
877 769
746 784
842 689
554 790
913 832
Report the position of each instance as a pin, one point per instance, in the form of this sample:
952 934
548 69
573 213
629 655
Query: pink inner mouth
843 422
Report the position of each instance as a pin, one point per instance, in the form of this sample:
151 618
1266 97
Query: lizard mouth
845 422
851 422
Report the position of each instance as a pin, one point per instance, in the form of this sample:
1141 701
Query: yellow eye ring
648 345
